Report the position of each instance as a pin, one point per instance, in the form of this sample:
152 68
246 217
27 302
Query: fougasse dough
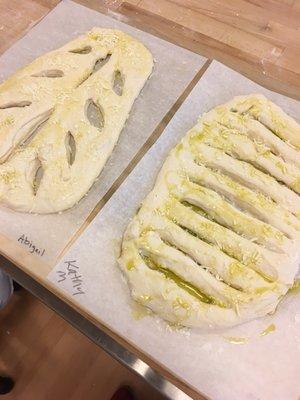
61 116
217 241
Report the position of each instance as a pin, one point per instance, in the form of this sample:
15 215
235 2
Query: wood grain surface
49 359
260 38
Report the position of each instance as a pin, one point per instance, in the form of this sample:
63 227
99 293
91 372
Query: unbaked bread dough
61 116
217 241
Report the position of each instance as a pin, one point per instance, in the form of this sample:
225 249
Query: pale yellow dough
217 241
61 116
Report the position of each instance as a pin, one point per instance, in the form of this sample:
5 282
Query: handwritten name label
71 273
23 239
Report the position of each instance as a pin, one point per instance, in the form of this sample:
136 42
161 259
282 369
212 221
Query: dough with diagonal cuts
217 241
61 116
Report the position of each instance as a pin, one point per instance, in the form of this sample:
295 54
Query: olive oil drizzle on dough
188 287
295 289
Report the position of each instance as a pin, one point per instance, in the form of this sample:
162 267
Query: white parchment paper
174 68
265 367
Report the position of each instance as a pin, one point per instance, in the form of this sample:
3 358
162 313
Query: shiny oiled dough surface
216 242
61 116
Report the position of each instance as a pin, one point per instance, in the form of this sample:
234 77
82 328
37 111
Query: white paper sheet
173 64
264 368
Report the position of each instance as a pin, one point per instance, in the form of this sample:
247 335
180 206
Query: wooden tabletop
260 38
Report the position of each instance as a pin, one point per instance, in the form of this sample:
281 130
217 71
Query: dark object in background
6 385
17 286
124 393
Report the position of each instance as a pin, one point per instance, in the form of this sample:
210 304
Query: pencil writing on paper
23 239
71 273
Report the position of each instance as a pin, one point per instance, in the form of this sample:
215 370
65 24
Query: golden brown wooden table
259 38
